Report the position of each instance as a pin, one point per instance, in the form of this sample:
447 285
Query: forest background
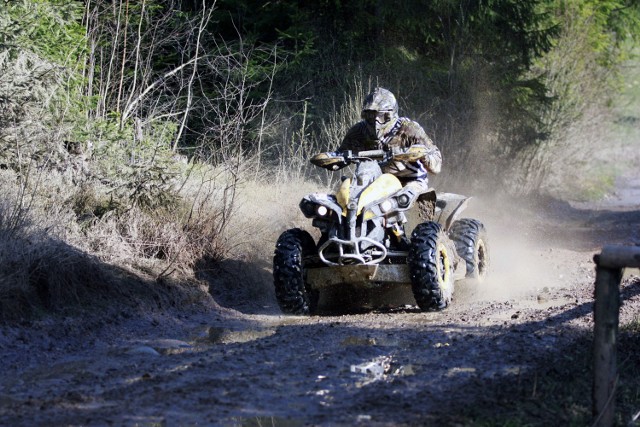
143 142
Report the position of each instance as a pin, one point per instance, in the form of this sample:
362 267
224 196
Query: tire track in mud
306 370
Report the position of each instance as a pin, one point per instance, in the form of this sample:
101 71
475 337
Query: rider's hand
397 150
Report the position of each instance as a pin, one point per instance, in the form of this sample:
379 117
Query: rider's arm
433 160
416 135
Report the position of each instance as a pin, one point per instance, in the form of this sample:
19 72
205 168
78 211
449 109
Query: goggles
378 116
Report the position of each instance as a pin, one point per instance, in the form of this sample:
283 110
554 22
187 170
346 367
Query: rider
381 128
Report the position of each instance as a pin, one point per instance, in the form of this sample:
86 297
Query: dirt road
240 362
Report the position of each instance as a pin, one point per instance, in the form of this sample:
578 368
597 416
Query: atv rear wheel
470 238
289 272
430 260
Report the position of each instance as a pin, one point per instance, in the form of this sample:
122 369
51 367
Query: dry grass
65 245
38 269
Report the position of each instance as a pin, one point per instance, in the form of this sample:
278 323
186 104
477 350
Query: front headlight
386 206
320 206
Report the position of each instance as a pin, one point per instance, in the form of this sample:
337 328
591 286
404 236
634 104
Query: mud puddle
222 335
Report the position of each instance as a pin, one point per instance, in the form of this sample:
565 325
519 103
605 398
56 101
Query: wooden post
619 256
609 264
606 309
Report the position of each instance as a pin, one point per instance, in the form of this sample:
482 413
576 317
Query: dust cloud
530 253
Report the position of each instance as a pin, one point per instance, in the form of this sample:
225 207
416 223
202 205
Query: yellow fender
384 186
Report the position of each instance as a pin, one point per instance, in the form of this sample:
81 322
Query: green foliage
604 24
50 29
42 48
581 78
599 183
142 175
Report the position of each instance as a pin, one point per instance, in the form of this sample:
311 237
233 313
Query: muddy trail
241 362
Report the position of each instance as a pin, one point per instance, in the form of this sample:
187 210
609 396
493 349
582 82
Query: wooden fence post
606 309
609 265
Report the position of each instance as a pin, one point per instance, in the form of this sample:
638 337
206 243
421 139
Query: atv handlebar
338 160
372 153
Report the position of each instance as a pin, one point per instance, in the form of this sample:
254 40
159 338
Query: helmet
380 111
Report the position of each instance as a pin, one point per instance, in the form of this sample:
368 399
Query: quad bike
363 242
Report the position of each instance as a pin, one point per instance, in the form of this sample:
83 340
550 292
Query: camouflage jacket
403 134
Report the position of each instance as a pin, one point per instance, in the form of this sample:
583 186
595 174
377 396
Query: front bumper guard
348 251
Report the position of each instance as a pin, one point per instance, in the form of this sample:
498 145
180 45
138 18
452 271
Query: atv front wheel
430 262
292 292
470 238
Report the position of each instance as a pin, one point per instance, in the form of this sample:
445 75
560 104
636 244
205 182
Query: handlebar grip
371 153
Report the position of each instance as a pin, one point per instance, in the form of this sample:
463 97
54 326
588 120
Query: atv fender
448 208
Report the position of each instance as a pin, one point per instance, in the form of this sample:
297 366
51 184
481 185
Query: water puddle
353 340
380 368
461 371
505 371
220 335
375 369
